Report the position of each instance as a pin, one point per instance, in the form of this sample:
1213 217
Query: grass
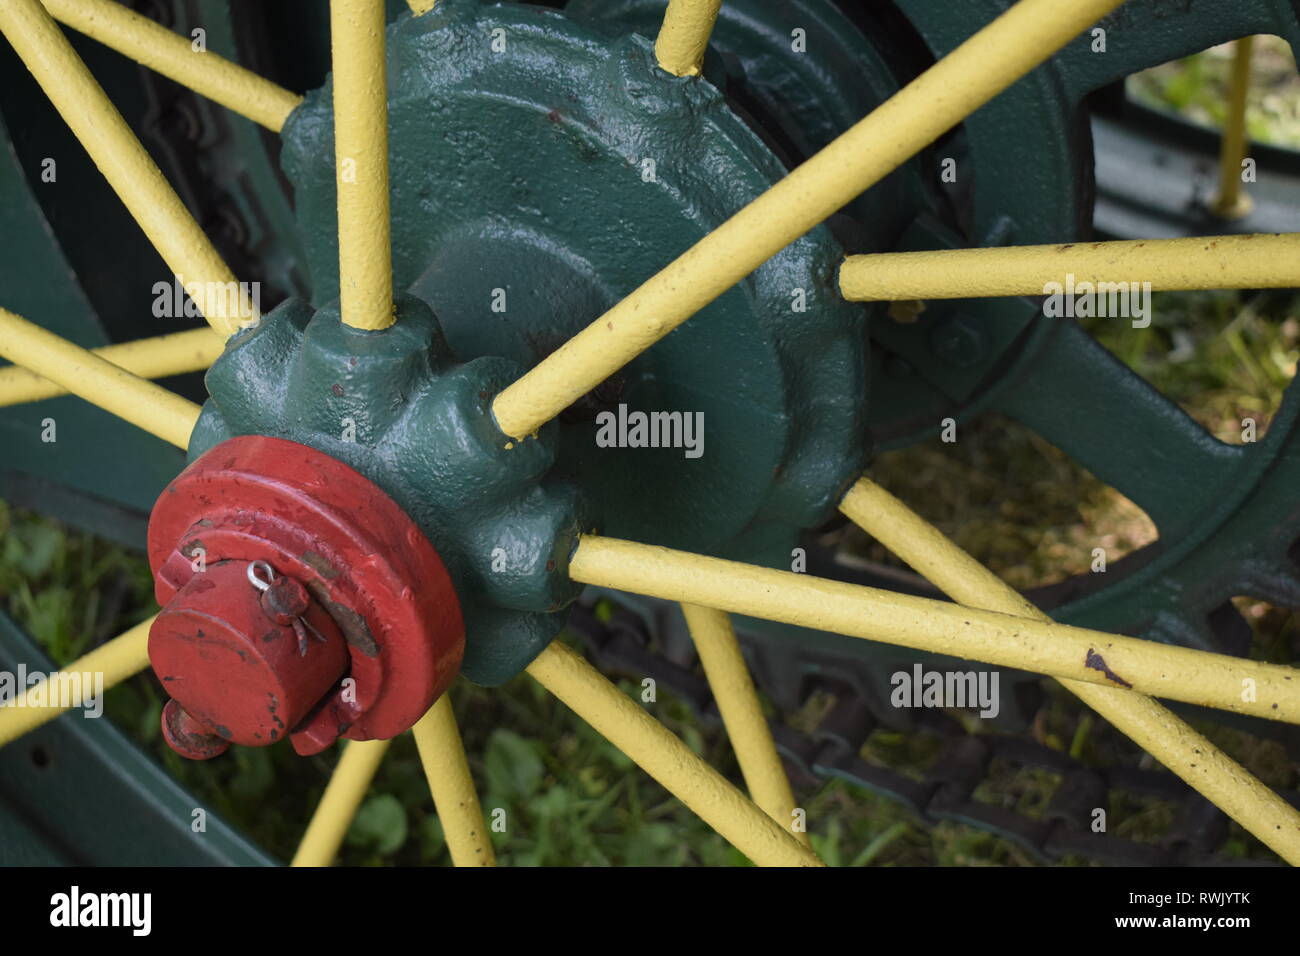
569 798
1196 88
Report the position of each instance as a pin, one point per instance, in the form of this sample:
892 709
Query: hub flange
353 630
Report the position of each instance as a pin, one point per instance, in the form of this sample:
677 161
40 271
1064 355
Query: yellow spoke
629 728
98 381
684 36
338 804
153 45
1211 262
122 657
1178 673
941 97
1231 202
1163 735
128 168
361 162
742 714
443 756
156 357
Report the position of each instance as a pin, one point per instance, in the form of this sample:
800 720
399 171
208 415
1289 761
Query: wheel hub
541 170
298 600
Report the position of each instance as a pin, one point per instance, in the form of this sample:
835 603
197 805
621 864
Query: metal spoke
443 757
1209 262
156 357
153 45
1231 202
361 162
98 381
684 36
742 714
1177 673
338 805
705 791
940 98
1169 739
126 165
124 656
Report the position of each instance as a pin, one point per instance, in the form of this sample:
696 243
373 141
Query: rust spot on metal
355 630
1096 662
321 565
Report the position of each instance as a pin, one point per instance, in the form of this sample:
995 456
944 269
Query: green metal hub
541 170
397 408
802 72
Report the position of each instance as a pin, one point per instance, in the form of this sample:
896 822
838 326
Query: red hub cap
298 600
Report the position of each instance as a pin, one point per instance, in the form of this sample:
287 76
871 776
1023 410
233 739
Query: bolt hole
40 758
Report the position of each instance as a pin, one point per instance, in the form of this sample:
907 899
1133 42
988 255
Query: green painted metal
541 170
801 72
397 408
77 792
